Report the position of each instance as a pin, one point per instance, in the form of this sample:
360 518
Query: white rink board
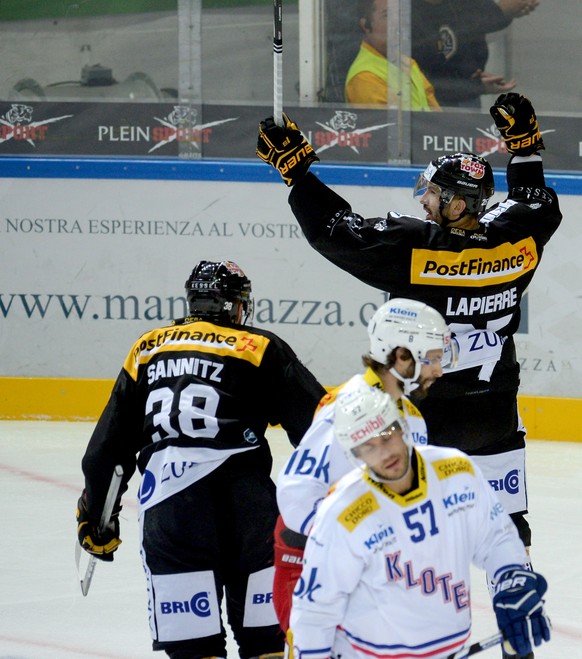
66 240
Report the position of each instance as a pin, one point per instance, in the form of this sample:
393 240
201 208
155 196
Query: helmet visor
422 185
450 354
377 442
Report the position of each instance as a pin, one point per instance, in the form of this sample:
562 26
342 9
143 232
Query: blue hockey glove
285 148
519 609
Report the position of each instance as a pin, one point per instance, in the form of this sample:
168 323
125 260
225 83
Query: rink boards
96 253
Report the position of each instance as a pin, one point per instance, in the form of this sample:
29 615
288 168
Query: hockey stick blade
485 644
112 492
278 62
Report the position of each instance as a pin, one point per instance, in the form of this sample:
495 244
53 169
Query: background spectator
373 79
449 42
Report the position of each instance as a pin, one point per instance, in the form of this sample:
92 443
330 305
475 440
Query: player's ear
457 207
403 355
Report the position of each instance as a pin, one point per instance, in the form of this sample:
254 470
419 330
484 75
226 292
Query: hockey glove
99 544
516 120
285 149
519 609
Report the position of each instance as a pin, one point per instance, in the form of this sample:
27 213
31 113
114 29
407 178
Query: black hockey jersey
204 390
475 279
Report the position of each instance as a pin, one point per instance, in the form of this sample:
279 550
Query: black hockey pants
224 524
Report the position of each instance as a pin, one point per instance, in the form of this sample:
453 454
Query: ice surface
44 615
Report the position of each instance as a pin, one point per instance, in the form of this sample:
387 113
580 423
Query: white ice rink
43 613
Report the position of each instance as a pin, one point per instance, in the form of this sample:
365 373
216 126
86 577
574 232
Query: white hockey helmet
408 324
362 413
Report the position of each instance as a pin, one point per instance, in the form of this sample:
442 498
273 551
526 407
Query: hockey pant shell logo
176 468
509 484
147 487
185 605
199 605
259 609
505 474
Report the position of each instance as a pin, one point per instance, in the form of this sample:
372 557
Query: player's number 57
416 520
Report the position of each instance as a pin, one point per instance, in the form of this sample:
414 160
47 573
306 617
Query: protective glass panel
374 82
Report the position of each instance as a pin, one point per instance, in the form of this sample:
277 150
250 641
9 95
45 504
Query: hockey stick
278 62
105 519
485 644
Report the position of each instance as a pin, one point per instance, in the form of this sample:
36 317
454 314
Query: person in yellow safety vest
373 80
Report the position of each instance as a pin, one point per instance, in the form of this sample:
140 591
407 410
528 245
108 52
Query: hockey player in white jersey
387 563
408 340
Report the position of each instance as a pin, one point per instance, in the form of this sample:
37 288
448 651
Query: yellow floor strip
70 399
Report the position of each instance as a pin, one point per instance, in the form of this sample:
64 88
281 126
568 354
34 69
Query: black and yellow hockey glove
516 120
285 148
101 544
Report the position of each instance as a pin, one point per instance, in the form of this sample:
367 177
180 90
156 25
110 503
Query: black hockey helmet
219 291
464 174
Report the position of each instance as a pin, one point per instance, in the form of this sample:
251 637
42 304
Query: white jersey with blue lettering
319 461
388 576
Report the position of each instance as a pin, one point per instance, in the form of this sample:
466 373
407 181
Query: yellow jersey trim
409 407
199 336
403 500
370 378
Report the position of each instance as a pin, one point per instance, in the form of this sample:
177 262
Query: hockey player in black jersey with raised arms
190 408
471 263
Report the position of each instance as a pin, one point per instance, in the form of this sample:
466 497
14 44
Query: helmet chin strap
410 384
